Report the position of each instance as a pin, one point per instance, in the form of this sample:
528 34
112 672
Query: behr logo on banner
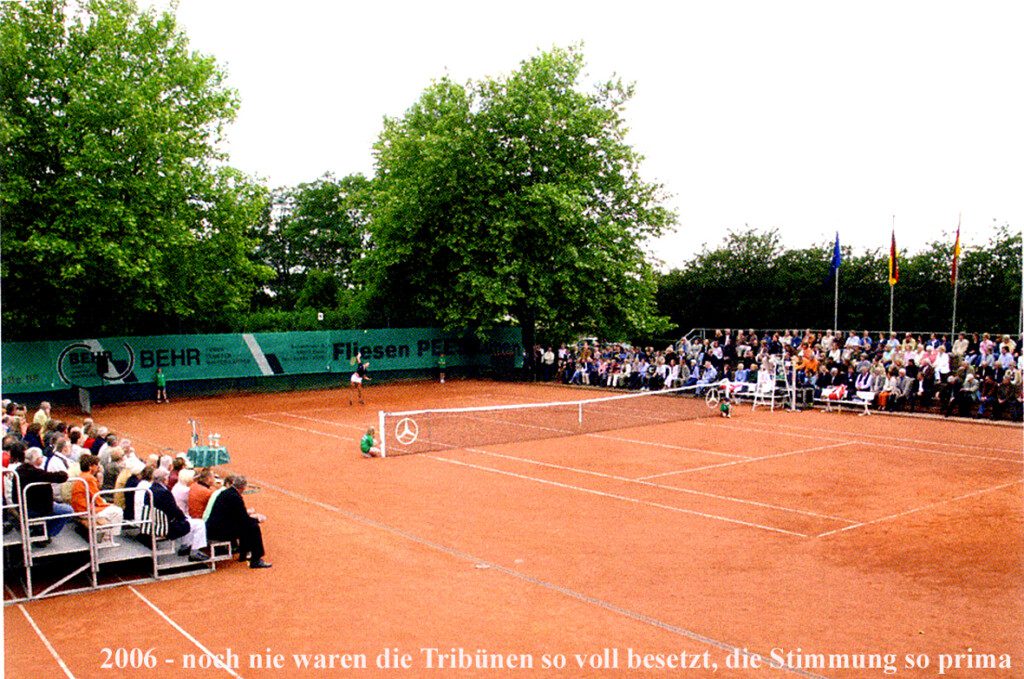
79 361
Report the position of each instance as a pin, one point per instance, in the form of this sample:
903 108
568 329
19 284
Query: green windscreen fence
111 362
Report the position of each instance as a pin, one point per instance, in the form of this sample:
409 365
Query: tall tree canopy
313 237
749 280
117 213
517 198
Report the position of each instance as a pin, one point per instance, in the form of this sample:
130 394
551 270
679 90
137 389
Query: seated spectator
144 484
863 385
177 464
102 438
113 466
199 493
1017 405
926 384
86 500
190 533
59 459
75 435
987 395
33 436
128 481
1005 360
1005 397
968 395
949 393
42 416
182 489
888 389
708 376
672 379
694 373
230 520
959 350
39 499
899 397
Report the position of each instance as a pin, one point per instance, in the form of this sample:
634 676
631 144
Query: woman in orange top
106 514
199 493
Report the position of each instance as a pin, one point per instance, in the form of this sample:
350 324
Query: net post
383 434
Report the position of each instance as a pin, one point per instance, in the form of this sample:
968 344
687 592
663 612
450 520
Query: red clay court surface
788 533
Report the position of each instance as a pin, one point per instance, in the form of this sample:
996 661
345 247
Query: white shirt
180 493
140 497
57 463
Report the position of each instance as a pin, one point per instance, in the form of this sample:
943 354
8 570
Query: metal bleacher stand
76 560
14 528
65 555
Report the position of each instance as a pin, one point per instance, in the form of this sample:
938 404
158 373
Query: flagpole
891 286
835 313
956 287
956 274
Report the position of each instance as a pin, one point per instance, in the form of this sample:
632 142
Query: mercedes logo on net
406 431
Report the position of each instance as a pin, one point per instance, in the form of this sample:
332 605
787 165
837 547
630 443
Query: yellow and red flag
894 265
956 254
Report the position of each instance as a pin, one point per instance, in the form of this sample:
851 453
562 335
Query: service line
919 509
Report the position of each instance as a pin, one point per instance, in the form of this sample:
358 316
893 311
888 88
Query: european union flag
837 259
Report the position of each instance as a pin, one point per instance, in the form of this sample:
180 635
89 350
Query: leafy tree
989 298
313 236
118 215
750 281
516 198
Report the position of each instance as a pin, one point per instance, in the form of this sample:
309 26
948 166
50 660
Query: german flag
894 265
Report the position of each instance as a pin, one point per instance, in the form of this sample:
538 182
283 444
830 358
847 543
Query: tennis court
893 545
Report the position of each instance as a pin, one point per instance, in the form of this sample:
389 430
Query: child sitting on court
725 407
368 445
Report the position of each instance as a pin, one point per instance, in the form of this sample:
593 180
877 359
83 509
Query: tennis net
420 431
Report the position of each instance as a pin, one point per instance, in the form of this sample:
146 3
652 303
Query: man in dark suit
230 520
39 499
189 532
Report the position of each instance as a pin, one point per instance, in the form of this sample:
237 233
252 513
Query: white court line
667 445
747 460
919 509
570 432
46 642
322 421
908 440
593 473
870 444
217 662
303 429
344 391
534 426
616 497
635 616
677 489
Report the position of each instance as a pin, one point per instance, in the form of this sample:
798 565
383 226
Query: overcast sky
811 117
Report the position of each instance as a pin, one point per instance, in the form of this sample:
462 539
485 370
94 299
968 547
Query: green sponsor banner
49 366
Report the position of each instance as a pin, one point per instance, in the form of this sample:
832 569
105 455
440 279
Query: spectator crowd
72 465
972 375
